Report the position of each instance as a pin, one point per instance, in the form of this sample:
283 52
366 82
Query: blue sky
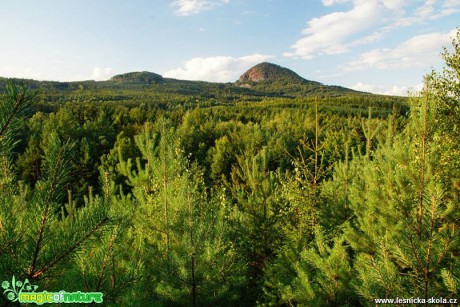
382 46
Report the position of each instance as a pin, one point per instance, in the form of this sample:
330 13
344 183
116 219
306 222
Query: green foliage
15 104
160 192
406 235
179 230
40 236
317 275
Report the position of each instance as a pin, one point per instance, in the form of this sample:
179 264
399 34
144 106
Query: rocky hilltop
269 72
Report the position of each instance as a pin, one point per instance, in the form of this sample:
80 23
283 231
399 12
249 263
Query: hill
143 77
261 82
281 81
264 72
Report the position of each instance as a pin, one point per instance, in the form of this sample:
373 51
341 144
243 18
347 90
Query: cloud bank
417 51
365 21
383 90
217 68
102 74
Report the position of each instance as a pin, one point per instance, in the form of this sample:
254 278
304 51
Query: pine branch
443 254
6 246
415 248
22 100
10 118
70 250
45 213
106 258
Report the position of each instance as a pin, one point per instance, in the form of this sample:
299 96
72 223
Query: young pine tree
180 231
257 224
37 241
318 275
405 201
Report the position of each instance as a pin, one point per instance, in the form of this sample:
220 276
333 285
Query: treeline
212 136
284 201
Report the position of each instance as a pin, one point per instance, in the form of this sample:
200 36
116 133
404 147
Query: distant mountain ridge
264 79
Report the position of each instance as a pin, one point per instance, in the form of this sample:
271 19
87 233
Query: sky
379 46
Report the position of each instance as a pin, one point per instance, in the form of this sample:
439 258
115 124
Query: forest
161 192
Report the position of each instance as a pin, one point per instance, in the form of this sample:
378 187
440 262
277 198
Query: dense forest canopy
163 192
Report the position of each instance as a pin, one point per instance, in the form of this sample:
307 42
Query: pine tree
258 220
405 231
319 275
302 271
16 103
302 188
40 236
179 230
106 265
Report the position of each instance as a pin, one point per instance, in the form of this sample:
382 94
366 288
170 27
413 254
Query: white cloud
102 74
332 2
451 3
365 22
418 51
384 90
97 74
191 7
429 10
329 33
217 68
449 7
419 15
395 4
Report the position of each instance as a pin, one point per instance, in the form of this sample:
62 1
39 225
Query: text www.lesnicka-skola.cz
416 300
